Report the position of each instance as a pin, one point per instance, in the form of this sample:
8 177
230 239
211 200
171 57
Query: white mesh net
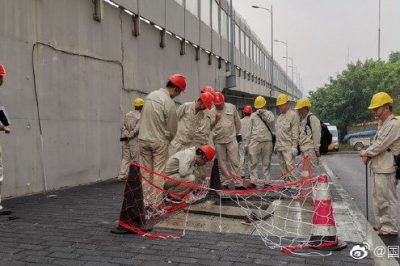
286 215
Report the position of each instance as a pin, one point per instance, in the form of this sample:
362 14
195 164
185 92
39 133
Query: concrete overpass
74 66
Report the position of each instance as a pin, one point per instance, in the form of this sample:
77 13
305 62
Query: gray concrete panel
80 118
205 36
225 49
81 34
175 17
21 148
237 57
216 43
192 28
82 94
207 72
131 5
153 11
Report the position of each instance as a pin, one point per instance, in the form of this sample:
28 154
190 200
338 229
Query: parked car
360 140
335 138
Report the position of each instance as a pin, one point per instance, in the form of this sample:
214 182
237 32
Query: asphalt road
351 172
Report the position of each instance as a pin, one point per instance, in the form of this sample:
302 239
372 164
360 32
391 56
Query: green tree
344 100
394 57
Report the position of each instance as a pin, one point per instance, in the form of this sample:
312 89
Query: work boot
119 230
4 211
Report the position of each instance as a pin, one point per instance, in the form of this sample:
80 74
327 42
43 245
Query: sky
324 35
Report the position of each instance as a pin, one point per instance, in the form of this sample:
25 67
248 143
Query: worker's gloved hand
294 152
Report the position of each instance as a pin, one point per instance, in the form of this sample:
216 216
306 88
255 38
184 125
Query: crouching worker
185 166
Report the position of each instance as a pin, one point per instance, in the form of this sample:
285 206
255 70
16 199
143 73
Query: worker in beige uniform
129 137
380 154
224 136
243 145
194 124
287 135
310 136
157 128
6 130
182 167
260 140
203 130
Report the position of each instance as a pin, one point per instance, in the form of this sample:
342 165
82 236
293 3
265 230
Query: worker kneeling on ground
385 146
182 166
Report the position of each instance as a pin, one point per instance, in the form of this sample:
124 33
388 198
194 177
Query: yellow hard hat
303 102
282 99
138 102
260 102
380 99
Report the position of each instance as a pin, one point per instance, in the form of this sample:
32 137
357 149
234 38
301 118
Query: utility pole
379 32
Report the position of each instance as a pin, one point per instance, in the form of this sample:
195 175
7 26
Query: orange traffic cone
323 232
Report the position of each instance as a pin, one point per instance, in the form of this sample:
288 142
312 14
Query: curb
368 233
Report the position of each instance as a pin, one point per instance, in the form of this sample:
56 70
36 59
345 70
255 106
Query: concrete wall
71 79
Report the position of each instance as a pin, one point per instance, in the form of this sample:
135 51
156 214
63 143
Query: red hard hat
218 98
247 109
207 89
208 151
207 99
179 81
2 70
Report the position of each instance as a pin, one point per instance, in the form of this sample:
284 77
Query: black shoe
251 186
119 230
5 212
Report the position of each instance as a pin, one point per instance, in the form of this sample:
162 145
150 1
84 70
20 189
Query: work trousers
260 151
228 152
244 159
153 155
130 152
385 202
286 163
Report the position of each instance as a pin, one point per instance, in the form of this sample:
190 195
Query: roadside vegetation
343 101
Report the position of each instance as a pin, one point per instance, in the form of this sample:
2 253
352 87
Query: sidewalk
72 227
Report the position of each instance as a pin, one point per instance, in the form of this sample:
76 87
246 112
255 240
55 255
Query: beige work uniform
309 141
193 128
130 147
182 166
226 146
1 165
386 143
260 144
157 127
244 146
287 137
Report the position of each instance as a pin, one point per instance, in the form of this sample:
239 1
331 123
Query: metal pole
292 68
287 48
272 50
232 42
366 188
379 32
